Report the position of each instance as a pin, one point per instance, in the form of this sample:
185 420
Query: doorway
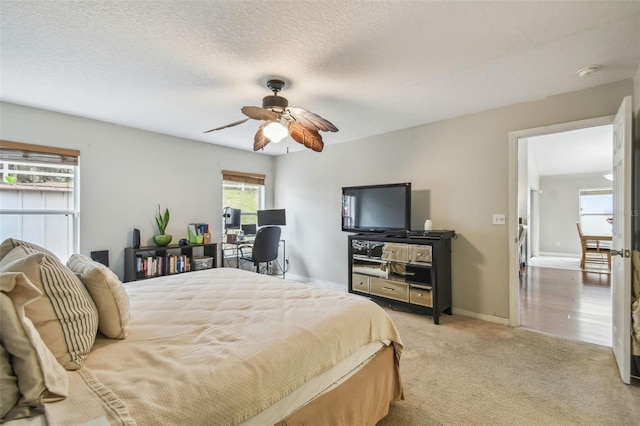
622 163
554 294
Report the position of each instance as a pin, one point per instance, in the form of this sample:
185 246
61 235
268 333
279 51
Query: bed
228 346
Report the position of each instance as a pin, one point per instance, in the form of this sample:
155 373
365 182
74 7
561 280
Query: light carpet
471 372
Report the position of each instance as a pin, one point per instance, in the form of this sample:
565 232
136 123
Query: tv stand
411 270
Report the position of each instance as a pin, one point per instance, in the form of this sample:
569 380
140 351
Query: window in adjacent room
39 196
596 211
243 191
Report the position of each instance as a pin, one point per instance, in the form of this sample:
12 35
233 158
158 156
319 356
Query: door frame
512 217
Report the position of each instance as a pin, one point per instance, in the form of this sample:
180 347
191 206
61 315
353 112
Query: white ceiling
578 151
183 67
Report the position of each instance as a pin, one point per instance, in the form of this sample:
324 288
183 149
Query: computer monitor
232 218
272 217
249 229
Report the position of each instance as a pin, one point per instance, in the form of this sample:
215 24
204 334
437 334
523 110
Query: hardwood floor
569 303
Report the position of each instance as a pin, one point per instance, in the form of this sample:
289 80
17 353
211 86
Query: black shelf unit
412 272
131 254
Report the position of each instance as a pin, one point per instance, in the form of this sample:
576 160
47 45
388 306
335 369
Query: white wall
125 173
559 210
461 164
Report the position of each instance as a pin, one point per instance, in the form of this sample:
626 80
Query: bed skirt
363 399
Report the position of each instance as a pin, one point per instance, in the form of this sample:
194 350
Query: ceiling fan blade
311 120
258 113
260 140
235 123
307 137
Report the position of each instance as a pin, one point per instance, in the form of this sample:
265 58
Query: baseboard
319 283
483 317
550 253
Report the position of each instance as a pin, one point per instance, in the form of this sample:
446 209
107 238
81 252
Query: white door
621 253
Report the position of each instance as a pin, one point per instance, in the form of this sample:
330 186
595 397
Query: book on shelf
155 266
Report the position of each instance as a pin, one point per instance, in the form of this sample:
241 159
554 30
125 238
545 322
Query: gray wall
636 163
559 211
125 173
459 166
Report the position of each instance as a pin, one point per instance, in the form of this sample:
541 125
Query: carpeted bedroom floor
471 372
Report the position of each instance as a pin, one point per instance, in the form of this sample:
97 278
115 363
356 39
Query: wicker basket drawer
421 296
419 254
360 283
389 289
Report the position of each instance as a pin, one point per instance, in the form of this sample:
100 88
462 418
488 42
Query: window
244 191
596 211
39 196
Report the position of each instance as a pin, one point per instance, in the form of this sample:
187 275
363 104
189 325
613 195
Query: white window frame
261 196
73 211
591 191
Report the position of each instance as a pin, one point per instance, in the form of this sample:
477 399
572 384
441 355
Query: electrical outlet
499 219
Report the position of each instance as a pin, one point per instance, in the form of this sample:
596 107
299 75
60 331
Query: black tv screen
272 217
377 208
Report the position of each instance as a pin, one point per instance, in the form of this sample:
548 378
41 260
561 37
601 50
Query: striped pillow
65 315
11 243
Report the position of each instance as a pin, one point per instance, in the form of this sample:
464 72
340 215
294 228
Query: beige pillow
107 292
11 243
65 315
10 394
40 378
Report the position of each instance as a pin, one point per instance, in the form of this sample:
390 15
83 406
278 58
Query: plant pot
162 240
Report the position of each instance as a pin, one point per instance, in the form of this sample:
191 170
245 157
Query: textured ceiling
183 67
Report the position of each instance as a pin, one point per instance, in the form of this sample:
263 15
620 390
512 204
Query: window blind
28 153
255 178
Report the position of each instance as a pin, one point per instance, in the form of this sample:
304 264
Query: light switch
499 219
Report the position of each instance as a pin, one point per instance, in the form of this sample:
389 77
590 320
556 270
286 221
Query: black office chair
264 248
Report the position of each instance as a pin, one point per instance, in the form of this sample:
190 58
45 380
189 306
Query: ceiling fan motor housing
274 102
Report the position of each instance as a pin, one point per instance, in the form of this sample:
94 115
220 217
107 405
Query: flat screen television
377 208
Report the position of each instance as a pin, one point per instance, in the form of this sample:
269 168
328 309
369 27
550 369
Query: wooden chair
595 248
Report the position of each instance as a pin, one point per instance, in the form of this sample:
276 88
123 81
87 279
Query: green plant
11 179
162 220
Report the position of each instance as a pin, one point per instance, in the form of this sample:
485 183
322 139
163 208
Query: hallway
567 302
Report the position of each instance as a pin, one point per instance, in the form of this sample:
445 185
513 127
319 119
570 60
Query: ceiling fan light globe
275 131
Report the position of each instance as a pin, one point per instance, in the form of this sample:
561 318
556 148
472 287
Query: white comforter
217 347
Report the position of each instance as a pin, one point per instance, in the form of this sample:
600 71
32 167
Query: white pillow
108 294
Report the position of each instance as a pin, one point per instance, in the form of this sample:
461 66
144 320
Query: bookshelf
153 261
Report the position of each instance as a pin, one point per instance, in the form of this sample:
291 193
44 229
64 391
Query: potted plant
162 220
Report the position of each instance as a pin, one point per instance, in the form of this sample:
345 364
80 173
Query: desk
230 255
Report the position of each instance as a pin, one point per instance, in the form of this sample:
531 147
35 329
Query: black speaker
101 256
136 238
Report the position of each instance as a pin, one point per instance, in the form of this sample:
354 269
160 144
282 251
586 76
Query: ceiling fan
281 120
